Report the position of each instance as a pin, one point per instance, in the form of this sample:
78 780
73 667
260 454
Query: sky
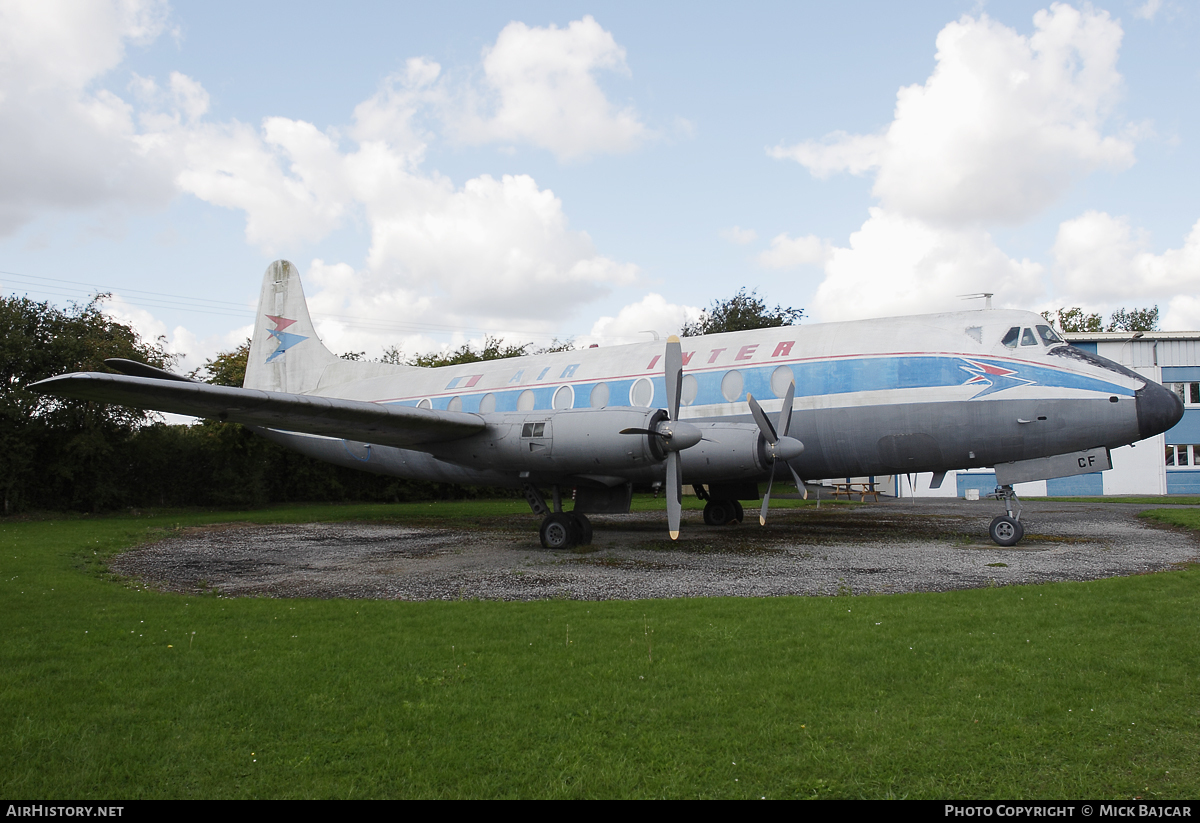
594 171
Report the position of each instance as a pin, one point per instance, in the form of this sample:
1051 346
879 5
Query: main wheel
739 514
559 531
718 512
1006 531
584 528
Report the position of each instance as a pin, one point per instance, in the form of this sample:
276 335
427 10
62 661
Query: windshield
1048 335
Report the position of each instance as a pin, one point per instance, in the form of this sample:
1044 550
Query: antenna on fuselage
986 295
649 331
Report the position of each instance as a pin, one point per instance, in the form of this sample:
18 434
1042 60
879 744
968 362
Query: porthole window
487 404
599 396
731 385
691 390
425 404
564 398
525 401
781 378
641 393
455 404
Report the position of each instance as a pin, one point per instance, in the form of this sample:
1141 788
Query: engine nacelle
729 451
588 442
562 442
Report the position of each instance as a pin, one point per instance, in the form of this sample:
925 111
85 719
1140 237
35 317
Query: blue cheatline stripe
813 379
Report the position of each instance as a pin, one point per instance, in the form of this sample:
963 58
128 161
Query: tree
741 312
227 368
1134 320
494 348
1076 320
55 452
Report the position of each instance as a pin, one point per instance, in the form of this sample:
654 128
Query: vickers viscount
928 393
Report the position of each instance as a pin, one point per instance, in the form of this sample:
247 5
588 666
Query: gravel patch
896 546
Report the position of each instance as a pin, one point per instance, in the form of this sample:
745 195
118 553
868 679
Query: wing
402 426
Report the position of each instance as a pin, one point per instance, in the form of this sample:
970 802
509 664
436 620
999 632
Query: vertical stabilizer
285 353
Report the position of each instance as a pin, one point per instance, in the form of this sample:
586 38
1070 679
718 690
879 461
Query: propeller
780 447
674 435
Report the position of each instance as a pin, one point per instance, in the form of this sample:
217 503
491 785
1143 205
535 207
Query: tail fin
285 353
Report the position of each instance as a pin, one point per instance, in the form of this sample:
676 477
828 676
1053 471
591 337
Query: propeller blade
674 493
785 413
760 418
762 515
641 431
800 487
673 373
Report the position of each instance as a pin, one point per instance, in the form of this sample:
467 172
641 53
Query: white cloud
1148 9
739 235
1003 126
901 265
1100 258
67 146
1001 129
837 151
541 85
651 313
191 350
787 252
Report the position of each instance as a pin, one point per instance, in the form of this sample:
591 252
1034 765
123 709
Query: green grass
108 690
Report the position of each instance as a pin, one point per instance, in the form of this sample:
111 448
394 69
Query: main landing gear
719 512
560 530
1006 530
722 512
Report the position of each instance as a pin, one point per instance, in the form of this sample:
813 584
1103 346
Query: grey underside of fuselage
839 442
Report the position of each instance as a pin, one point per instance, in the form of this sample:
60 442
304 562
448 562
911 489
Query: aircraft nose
1158 409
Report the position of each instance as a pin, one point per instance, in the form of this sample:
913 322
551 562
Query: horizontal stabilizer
401 426
133 367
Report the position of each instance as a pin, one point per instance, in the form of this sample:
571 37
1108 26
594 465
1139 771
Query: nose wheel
1006 531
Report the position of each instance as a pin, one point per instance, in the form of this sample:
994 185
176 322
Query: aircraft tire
559 532
1005 531
718 513
739 514
584 527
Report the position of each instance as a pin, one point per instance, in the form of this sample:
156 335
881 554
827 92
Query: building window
1183 456
1189 393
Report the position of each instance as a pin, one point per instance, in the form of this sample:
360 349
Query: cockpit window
1027 338
1049 337
1010 339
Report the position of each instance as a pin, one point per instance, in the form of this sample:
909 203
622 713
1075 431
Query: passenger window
1010 339
1027 338
1048 336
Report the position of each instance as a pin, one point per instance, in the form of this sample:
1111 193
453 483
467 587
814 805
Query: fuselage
872 397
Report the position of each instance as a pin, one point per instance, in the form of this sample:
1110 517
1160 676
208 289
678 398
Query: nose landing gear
1006 530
